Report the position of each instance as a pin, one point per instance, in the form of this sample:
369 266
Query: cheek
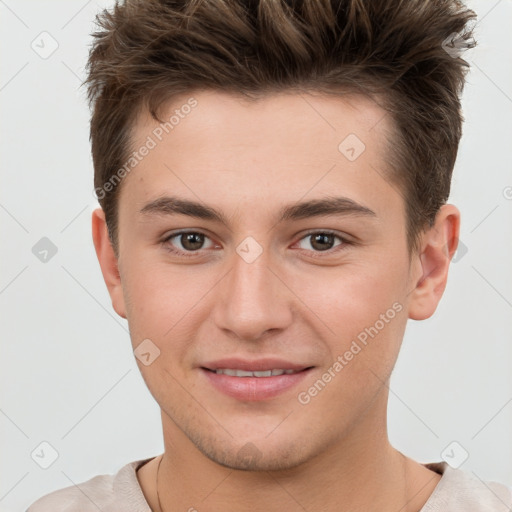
362 306
163 304
352 298
365 313
154 299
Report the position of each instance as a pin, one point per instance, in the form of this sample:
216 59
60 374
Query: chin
255 456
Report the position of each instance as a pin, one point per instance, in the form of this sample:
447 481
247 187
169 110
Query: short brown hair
149 51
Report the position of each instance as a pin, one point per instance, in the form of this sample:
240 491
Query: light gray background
68 374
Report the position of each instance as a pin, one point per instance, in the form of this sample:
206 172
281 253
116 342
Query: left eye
321 241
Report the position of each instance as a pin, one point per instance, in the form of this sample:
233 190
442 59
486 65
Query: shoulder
459 491
108 493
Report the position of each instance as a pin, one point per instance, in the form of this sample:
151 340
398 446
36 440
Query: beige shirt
457 491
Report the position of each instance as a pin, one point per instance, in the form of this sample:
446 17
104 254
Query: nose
253 299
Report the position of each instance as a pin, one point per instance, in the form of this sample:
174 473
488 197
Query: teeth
243 373
266 373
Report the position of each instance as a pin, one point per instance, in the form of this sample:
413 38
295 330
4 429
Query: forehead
215 145
291 115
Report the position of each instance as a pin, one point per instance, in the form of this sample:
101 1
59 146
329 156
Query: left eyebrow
326 206
342 206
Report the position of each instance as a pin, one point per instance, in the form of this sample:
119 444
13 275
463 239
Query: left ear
437 247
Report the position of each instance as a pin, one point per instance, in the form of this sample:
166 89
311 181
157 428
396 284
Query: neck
361 472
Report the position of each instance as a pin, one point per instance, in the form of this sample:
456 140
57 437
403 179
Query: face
257 237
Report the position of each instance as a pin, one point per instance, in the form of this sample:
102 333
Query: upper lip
254 365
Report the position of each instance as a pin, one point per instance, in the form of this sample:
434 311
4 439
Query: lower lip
254 388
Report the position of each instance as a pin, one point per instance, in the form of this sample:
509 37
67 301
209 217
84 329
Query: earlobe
108 261
438 245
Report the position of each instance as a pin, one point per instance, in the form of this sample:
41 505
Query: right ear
108 261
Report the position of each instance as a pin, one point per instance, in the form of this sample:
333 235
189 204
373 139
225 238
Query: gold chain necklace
157 493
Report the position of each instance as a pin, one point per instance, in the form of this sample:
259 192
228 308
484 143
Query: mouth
244 373
254 380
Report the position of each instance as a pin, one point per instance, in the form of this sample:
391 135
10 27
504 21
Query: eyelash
194 254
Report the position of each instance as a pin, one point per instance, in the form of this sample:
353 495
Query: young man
273 178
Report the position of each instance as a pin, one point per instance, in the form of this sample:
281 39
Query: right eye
190 242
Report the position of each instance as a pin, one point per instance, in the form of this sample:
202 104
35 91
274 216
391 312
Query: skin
248 160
